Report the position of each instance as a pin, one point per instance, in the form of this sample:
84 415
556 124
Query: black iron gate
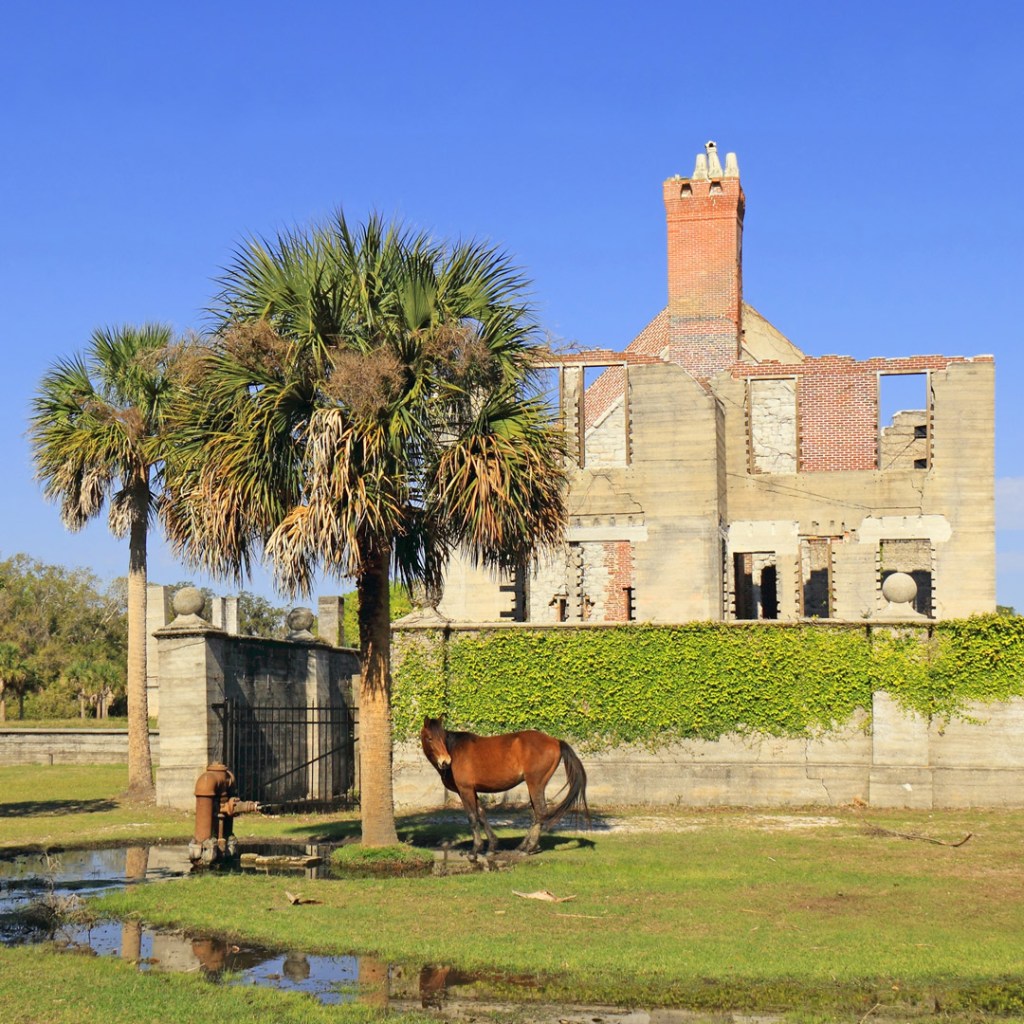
293 758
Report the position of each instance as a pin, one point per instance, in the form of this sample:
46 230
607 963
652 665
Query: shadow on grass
41 808
434 829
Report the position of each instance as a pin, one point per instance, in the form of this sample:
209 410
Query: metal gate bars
290 758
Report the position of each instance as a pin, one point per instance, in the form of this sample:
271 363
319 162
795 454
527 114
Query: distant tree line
63 639
61 634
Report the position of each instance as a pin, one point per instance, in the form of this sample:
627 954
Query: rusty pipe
216 807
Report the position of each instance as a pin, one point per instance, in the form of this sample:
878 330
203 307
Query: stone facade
719 473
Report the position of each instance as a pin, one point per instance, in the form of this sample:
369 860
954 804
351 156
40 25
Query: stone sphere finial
899 588
298 622
300 618
188 601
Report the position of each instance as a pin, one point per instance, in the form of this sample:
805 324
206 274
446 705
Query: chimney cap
709 167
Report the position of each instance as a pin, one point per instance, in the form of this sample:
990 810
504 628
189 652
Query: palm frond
366 393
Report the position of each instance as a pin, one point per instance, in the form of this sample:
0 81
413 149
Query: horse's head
432 737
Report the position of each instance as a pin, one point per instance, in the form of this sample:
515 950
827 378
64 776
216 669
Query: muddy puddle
43 900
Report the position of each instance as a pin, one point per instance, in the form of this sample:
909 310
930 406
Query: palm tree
96 427
366 410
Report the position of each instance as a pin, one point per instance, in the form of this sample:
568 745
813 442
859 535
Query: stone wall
901 761
69 746
201 665
772 422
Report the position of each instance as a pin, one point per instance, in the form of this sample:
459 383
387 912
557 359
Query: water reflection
42 900
42 895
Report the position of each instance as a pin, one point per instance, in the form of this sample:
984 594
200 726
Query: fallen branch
296 898
871 1011
875 830
543 894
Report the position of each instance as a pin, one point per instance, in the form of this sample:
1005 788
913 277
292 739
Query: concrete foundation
69 746
976 760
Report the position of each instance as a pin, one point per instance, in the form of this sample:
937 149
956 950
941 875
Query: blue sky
879 145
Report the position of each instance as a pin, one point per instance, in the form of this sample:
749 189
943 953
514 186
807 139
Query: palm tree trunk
140 760
376 794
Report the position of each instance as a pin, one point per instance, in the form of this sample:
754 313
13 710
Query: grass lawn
839 914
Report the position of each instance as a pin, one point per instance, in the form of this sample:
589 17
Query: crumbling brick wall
837 405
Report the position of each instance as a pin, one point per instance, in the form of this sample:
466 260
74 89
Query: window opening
756 585
591 402
903 421
517 589
816 577
913 557
771 424
605 416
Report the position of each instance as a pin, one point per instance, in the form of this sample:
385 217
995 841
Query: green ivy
653 684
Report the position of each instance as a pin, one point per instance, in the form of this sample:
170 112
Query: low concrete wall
899 760
69 746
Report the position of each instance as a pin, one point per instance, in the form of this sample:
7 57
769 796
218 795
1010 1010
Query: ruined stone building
720 473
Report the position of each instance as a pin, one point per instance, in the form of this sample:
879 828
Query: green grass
386 860
37 987
771 916
822 915
54 806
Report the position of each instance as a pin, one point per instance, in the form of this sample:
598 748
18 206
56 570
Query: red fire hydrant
216 807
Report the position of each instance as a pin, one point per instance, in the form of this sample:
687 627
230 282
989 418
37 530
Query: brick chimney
705 293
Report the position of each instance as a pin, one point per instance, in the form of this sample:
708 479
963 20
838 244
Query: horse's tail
575 799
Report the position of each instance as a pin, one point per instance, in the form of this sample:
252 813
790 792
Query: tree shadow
41 808
449 826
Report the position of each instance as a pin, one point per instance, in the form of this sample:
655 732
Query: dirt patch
666 822
754 822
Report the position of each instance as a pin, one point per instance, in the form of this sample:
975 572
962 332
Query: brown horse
470 764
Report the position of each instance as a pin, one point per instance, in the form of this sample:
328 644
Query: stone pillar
224 614
191 658
158 614
331 620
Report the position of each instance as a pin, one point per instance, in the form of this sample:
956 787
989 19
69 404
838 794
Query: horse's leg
492 839
538 808
536 783
475 814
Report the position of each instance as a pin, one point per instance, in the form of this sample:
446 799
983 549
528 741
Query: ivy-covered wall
655 684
